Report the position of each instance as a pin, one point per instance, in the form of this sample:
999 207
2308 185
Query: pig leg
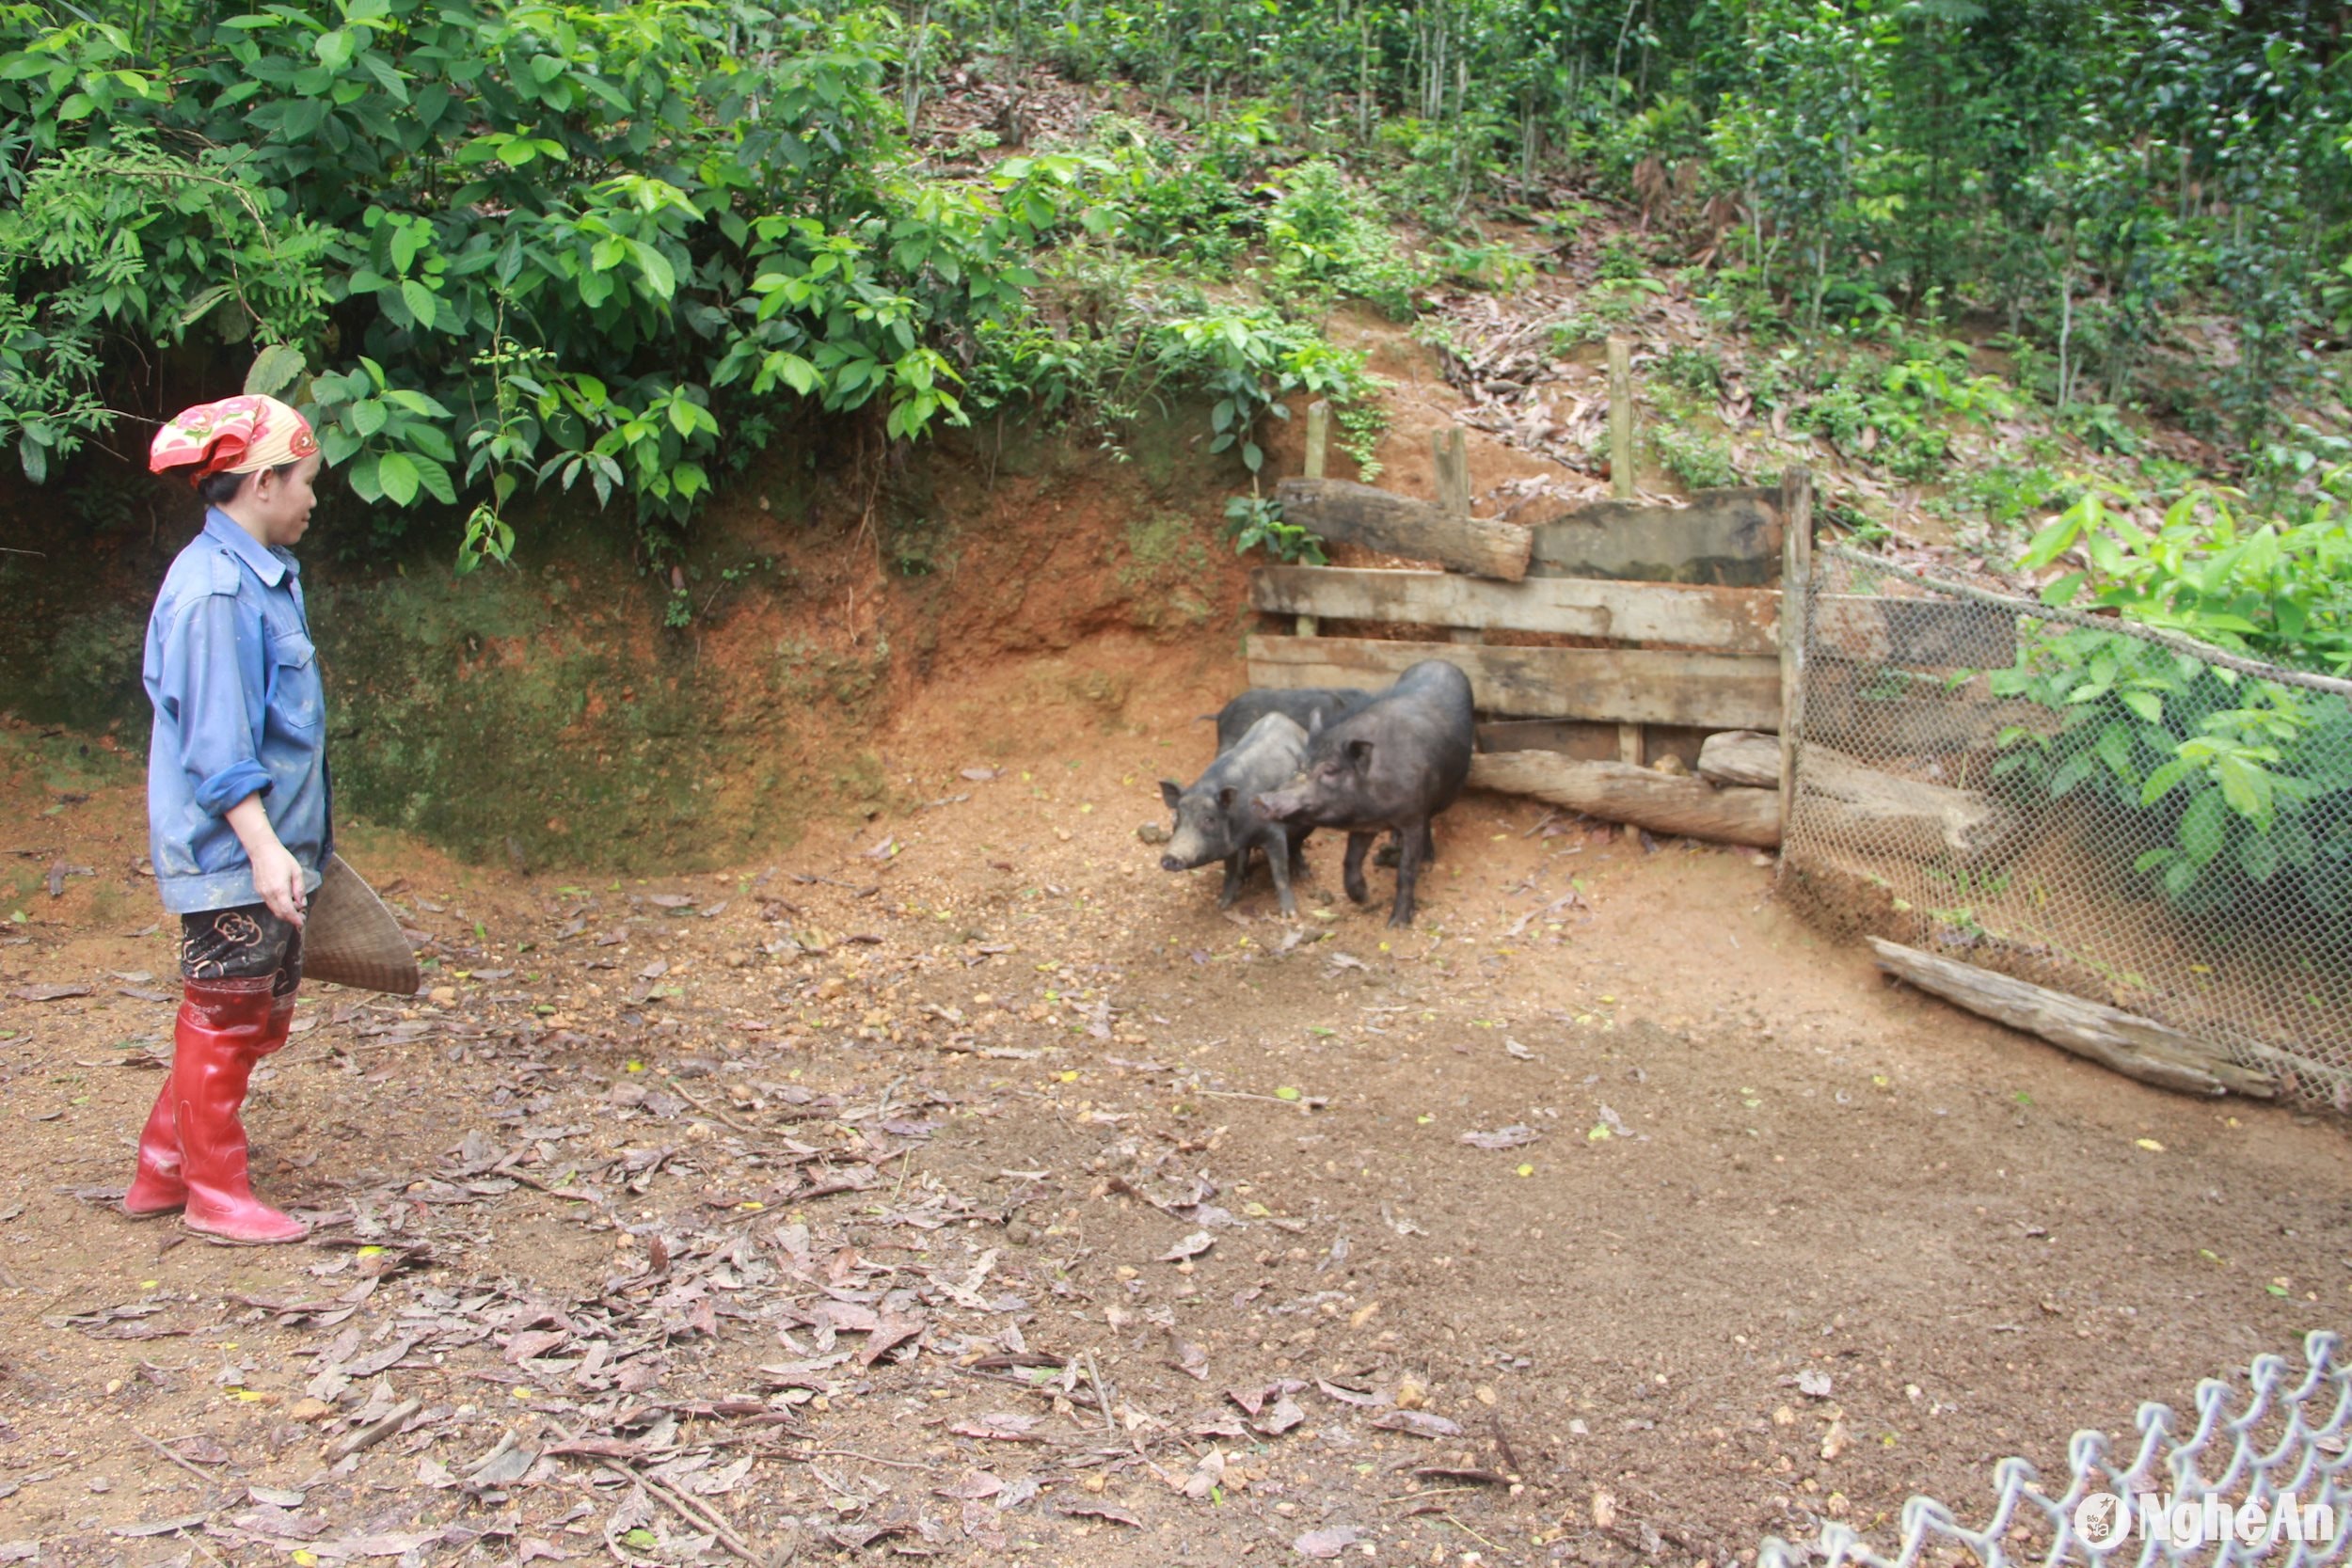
1236 871
1298 840
1352 868
1429 842
1413 843
1277 860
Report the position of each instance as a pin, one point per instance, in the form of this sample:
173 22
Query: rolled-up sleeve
218 709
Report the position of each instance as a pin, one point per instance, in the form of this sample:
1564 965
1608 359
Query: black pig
1394 763
1216 821
1303 705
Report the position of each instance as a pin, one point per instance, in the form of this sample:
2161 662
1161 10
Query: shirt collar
270 565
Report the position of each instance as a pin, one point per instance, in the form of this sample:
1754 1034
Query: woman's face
280 503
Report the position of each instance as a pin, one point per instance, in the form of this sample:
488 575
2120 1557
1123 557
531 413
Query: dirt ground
958 1183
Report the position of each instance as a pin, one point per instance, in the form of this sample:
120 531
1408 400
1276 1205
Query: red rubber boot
159 1187
226 1026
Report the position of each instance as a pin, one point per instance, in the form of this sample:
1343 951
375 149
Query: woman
236 799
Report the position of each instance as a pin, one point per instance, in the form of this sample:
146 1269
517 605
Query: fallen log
1859 807
1621 792
2134 1045
1399 525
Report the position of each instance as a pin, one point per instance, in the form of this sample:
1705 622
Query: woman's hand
277 875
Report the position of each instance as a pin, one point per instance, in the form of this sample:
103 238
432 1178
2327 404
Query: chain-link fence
2261 1477
2084 804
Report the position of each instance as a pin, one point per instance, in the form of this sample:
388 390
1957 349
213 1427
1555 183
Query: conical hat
350 938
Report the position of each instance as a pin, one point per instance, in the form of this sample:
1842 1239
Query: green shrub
683 213
1325 240
2236 793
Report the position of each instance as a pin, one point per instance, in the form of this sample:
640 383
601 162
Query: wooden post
1796 577
1318 436
1620 419
1629 745
1453 497
1318 447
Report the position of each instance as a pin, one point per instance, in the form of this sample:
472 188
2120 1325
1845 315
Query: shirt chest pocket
297 703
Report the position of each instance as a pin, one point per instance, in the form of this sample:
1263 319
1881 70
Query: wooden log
1721 619
1740 759
1640 686
2136 1046
1855 806
1621 793
1727 537
1620 418
1419 530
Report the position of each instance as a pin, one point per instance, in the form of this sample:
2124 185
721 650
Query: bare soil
961 1185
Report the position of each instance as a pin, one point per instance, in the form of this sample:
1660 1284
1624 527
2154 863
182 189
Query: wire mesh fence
2084 805
2259 1477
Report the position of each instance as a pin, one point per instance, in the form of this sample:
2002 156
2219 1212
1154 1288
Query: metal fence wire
2083 803
2260 1478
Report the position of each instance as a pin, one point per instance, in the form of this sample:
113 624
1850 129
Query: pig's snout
1170 862
1273 808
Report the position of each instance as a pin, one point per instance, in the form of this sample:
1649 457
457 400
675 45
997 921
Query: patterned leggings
244 943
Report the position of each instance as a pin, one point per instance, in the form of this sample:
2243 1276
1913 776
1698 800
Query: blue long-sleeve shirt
239 710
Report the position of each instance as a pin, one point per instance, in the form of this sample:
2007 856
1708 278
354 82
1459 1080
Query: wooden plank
2136 1046
1796 577
1724 620
1629 745
1918 634
1640 686
1658 802
1418 531
1582 741
1620 418
1727 537
1452 470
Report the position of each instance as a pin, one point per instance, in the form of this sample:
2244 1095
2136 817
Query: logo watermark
2105 1520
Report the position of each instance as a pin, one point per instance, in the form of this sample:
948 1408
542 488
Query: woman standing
237 803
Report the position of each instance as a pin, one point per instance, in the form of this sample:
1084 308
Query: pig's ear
1226 796
1171 792
1359 754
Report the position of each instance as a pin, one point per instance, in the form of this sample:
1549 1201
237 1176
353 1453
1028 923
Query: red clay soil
961 1183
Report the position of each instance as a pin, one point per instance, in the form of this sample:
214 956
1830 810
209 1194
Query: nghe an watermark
2105 1519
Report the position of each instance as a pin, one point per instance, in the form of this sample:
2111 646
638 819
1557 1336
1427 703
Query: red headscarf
235 436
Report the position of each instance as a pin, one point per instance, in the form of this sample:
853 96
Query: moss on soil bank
545 715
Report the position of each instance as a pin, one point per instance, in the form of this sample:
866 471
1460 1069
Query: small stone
442 994
1152 833
310 1410
1019 1233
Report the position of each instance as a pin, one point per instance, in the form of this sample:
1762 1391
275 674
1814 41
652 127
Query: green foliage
1699 460
1255 522
1248 363
1327 241
681 211
2236 792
